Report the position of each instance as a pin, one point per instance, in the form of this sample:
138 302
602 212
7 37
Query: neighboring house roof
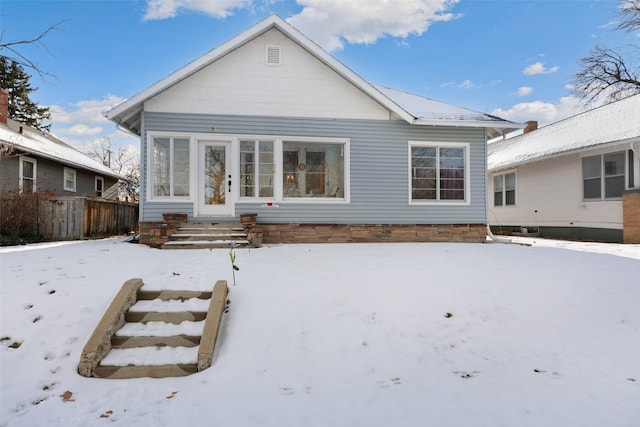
40 144
614 123
413 109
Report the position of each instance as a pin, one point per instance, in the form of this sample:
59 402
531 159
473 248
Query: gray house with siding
36 161
270 123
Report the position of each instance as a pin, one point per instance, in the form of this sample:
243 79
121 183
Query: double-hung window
256 168
27 172
99 186
603 176
69 179
439 172
504 189
170 159
313 169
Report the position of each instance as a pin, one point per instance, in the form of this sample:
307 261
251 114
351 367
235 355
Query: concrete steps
124 315
207 236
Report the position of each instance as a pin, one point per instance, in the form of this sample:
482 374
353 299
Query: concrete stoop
197 235
118 314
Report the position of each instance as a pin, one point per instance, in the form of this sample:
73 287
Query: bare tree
11 49
121 159
606 74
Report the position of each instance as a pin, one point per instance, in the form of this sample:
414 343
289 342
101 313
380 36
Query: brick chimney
531 126
4 106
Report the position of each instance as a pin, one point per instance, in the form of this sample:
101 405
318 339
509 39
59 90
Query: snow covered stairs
122 315
197 235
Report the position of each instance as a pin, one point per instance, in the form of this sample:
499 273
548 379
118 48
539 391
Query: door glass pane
215 175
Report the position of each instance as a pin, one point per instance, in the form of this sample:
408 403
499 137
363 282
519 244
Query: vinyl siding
240 83
378 169
553 188
49 177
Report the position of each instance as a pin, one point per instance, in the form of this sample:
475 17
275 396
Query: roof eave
601 145
495 129
67 162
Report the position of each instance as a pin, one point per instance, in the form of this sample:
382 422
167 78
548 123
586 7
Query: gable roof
614 123
411 108
33 141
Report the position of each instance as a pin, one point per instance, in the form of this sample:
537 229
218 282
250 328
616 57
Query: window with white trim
438 172
27 171
504 189
99 191
256 168
170 159
603 176
69 180
313 169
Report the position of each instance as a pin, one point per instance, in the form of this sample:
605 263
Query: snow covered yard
339 335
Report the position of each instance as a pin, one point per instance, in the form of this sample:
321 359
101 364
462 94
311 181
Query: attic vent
274 55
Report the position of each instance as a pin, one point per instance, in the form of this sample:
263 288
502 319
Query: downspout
496 239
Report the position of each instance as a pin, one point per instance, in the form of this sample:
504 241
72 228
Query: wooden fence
68 218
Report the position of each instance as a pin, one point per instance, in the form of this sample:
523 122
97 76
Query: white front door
214 178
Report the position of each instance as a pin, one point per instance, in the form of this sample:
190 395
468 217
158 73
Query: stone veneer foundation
155 234
370 233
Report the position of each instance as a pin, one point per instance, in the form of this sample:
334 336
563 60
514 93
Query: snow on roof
612 123
426 109
46 145
414 109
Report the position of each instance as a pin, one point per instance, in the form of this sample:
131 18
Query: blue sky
513 58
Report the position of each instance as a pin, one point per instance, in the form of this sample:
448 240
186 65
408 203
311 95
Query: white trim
150 197
34 178
504 189
227 209
467 173
95 186
64 179
603 177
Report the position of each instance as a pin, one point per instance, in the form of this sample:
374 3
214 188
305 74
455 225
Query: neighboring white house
270 123
568 179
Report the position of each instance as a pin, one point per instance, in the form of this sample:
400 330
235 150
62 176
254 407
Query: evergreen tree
22 109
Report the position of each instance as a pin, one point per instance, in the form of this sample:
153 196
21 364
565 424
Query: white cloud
543 112
467 84
331 23
84 130
82 123
539 68
524 91
163 9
